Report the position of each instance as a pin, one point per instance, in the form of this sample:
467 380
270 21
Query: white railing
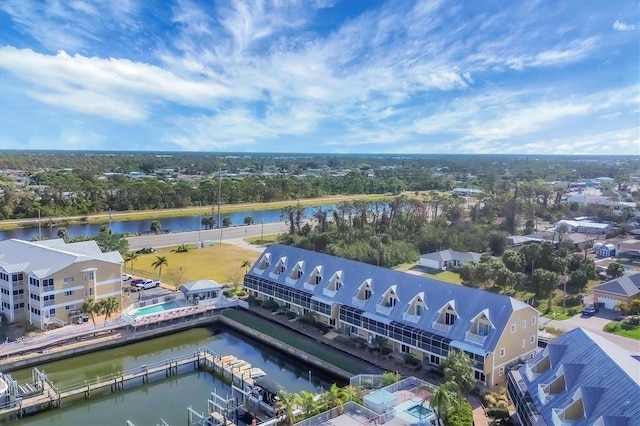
329 293
475 338
528 371
384 309
310 287
290 281
355 301
274 275
411 317
48 288
543 392
257 271
34 289
441 327
557 417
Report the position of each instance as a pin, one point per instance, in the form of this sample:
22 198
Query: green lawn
265 239
614 327
448 276
308 345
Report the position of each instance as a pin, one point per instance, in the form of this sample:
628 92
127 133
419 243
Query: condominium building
579 379
422 317
46 282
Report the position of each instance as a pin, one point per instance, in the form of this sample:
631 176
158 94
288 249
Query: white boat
255 372
3 386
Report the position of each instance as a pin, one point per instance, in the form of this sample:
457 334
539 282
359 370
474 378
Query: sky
353 76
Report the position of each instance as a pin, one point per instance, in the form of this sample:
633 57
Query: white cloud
621 26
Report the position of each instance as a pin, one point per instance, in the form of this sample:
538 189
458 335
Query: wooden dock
47 395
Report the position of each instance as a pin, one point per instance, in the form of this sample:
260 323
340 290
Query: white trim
62 290
113 293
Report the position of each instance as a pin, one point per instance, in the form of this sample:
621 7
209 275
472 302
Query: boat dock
42 394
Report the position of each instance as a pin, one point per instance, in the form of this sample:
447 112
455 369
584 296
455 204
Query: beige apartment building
47 282
416 316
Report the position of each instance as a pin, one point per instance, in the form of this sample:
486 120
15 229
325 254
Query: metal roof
447 255
626 285
469 302
200 286
607 376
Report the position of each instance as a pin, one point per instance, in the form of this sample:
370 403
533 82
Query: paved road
595 325
191 237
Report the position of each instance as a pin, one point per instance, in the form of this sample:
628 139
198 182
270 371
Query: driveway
595 324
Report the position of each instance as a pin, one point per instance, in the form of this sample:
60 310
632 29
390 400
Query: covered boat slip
264 393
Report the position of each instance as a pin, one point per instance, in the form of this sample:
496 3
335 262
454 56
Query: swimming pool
419 411
155 309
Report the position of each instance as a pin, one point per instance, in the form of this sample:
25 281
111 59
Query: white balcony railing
444 328
48 288
258 271
310 287
475 338
291 281
557 417
543 393
35 303
34 289
410 317
329 293
357 302
528 371
384 309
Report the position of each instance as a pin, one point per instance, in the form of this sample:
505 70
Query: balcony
49 303
18 297
384 309
358 303
274 275
444 328
309 287
543 393
34 289
410 317
474 338
258 271
35 303
48 288
291 281
558 417
328 293
528 371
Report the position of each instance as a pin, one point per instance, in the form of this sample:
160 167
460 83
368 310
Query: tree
458 369
461 414
109 306
246 264
615 270
90 308
544 281
497 242
531 253
156 227
309 403
289 401
158 264
334 398
176 277
226 222
513 260
389 378
248 220
63 233
379 342
208 222
130 257
442 400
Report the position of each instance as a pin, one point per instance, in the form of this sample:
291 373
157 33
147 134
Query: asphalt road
191 237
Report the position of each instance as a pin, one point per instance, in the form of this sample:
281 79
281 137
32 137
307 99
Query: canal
167 399
136 227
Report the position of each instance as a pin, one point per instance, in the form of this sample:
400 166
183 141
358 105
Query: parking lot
136 295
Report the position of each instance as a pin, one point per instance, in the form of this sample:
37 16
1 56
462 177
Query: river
136 227
167 399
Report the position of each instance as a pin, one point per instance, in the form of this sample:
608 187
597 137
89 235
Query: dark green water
167 399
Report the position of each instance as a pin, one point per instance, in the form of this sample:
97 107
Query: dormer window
448 314
573 411
280 266
316 276
297 271
264 262
417 305
335 282
365 292
390 299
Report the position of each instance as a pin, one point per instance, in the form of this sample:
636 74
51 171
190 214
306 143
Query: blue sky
523 77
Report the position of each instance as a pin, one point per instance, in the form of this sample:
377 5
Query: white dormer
314 278
388 302
335 282
556 385
364 293
263 264
481 326
280 268
447 316
296 273
571 412
532 370
416 307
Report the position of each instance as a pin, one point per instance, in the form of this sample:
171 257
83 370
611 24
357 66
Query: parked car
126 277
590 310
137 281
146 285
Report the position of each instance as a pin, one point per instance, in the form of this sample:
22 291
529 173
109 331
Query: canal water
167 399
136 227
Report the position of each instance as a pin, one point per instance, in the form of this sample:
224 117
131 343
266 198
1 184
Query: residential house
579 379
629 249
417 316
583 226
46 282
466 192
621 289
447 259
522 240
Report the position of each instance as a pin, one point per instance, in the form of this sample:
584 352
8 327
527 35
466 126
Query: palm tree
63 233
288 401
379 342
109 306
334 397
159 262
246 264
309 403
90 307
156 227
458 369
130 257
442 400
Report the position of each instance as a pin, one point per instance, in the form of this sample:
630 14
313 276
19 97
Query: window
68 280
533 339
48 282
52 311
524 323
434 359
34 281
69 293
449 318
533 320
483 329
69 307
17 277
18 306
513 328
501 371
524 343
406 349
503 352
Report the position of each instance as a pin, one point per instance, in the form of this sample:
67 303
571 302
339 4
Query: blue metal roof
607 375
468 302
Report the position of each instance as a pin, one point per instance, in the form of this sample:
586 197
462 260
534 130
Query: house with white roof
418 316
580 379
447 259
583 226
46 282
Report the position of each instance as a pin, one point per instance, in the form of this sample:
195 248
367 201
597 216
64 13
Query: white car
147 284
126 277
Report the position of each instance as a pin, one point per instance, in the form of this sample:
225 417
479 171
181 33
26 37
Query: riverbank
102 218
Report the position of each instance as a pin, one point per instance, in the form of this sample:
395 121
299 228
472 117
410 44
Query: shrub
270 305
291 314
254 301
462 415
631 321
498 413
573 311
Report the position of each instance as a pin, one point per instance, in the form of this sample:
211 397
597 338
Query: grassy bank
222 263
8 225
614 327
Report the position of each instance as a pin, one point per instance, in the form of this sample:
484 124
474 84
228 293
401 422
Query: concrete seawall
122 337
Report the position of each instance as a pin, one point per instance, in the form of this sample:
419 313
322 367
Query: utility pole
219 196
199 221
39 227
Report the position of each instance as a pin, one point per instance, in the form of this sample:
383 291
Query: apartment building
46 282
579 379
423 317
